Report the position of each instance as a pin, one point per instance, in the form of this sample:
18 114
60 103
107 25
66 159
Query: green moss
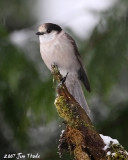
69 113
65 111
117 152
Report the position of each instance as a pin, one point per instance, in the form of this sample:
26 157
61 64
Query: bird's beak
39 33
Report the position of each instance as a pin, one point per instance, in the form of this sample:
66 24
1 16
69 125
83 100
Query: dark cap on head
50 27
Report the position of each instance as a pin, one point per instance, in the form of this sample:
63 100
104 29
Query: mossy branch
80 136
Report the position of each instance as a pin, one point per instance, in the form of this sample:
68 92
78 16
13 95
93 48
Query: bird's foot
64 78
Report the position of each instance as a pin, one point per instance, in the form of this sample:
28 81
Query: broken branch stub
80 136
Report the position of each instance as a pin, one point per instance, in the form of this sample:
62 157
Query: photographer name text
21 156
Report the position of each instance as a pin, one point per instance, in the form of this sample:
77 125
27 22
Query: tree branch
80 136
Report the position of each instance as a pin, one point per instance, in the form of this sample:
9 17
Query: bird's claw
64 78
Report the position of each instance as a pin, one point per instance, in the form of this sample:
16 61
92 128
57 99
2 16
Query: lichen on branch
80 136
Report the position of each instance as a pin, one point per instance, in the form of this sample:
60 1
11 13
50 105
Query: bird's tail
74 87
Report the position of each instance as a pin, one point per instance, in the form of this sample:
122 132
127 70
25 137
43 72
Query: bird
58 47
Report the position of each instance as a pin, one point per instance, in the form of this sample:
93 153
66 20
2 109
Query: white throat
47 37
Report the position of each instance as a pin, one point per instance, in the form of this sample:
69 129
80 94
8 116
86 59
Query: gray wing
81 72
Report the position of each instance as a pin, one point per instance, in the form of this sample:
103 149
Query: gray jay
58 47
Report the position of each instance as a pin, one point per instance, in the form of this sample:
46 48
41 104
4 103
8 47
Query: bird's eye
48 30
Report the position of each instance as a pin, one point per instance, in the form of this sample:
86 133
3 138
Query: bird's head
48 31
